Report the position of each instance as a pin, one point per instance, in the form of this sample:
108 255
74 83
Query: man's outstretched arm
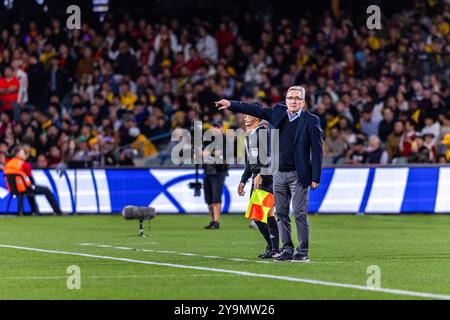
252 109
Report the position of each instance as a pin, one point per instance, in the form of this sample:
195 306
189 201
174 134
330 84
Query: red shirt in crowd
7 99
223 38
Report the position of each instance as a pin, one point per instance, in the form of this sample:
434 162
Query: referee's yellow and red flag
260 204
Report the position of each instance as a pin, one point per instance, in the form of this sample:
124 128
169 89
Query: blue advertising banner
342 190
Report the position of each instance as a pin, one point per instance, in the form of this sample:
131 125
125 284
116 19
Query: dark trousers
38 190
287 188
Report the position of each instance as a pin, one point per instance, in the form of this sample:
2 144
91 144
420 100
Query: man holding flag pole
299 164
260 209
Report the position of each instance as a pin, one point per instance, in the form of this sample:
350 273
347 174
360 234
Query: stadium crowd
112 94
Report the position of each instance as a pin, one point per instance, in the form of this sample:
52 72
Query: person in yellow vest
446 142
142 143
18 165
127 97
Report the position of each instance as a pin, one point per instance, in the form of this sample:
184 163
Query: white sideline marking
139 243
197 255
170 252
242 273
110 277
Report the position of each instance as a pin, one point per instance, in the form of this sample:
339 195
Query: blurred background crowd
112 93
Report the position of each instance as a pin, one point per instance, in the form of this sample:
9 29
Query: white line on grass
111 277
169 252
195 254
241 273
139 243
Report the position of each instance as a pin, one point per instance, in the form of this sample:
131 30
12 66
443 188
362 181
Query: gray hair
375 139
298 88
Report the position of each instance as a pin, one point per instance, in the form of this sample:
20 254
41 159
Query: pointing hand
222 104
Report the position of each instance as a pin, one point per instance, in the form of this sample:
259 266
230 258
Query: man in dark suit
57 79
299 164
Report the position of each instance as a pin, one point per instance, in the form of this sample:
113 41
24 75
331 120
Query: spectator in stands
141 144
393 141
407 139
445 127
255 70
22 76
165 37
419 152
430 145
36 87
126 63
442 159
41 162
376 154
127 97
431 126
435 107
9 89
86 64
347 131
6 122
386 125
207 45
446 143
224 37
57 79
335 145
356 154
369 126
3 158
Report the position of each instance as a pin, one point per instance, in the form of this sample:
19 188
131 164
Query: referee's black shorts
266 185
213 185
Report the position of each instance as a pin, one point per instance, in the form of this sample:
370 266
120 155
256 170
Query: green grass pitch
180 260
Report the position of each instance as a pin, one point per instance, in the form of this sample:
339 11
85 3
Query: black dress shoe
300 258
283 256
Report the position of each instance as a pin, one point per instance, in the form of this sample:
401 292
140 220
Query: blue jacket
308 139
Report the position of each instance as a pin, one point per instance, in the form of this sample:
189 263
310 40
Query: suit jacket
308 139
63 85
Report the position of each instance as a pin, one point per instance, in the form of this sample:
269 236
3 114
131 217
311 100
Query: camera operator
214 178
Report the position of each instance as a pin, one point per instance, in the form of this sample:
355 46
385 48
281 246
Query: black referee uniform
253 150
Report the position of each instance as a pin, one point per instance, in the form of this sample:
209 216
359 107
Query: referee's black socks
273 231
270 232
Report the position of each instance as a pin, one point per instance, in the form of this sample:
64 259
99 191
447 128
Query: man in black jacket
299 160
36 85
57 79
